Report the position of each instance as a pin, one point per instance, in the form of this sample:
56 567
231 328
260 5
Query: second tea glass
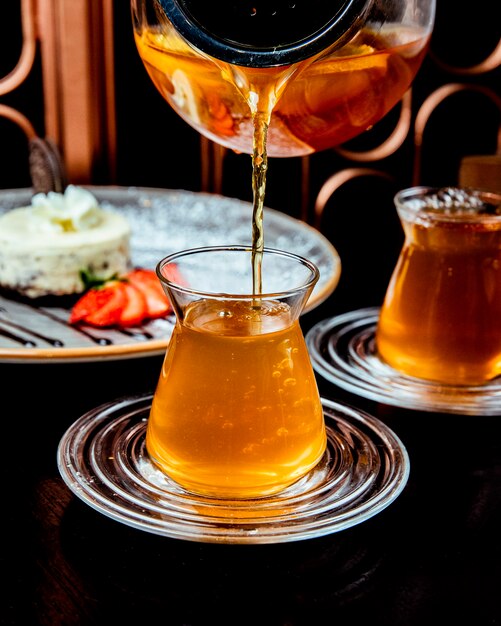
441 317
236 412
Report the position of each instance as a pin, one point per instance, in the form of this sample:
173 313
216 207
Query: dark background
433 557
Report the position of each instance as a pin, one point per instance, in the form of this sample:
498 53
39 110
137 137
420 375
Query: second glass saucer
343 351
103 460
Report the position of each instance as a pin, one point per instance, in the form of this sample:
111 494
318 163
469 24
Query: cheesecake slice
45 247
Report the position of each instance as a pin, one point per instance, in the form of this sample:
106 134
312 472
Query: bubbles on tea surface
243 318
274 307
452 200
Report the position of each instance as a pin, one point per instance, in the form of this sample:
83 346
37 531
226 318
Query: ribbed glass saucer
102 459
343 351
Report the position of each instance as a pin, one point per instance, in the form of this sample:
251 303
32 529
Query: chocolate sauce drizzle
8 325
57 343
101 341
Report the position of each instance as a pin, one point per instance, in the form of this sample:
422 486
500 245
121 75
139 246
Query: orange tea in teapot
314 105
281 78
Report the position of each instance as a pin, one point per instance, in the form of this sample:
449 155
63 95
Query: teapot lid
264 33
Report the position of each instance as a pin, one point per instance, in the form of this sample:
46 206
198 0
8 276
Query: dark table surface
432 557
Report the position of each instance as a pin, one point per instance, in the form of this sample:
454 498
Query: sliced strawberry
135 310
100 307
132 299
146 281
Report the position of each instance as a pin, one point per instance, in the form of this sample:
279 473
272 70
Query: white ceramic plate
162 221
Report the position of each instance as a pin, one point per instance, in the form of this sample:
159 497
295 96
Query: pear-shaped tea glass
236 412
441 316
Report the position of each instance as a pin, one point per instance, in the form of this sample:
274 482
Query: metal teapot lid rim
337 29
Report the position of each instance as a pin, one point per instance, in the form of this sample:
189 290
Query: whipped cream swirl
74 210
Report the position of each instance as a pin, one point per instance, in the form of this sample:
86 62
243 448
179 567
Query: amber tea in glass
236 412
441 317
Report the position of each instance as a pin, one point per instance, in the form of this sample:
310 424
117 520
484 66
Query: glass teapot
316 73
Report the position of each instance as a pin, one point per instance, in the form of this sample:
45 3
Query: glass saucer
343 351
102 459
